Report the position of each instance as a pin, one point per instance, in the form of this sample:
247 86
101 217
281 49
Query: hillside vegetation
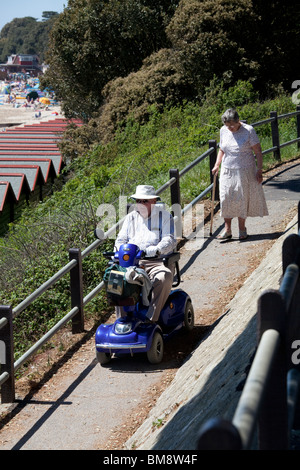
27 36
148 106
37 246
116 58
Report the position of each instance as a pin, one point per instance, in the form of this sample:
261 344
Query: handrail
288 284
196 161
197 199
4 377
247 411
290 142
264 121
272 387
165 186
3 322
44 338
40 290
75 265
271 149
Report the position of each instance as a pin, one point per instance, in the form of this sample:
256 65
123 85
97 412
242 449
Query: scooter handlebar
142 255
108 254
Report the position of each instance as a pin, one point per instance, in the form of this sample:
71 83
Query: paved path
83 405
207 385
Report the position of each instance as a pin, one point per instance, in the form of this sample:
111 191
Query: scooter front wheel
103 357
189 317
156 352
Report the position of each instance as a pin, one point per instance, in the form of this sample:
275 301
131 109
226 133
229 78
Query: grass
37 245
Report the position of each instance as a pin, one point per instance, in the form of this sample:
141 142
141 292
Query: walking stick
213 203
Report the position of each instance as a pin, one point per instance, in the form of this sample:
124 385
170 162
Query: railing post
175 187
76 280
273 416
176 201
275 135
7 362
290 251
298 125
212 161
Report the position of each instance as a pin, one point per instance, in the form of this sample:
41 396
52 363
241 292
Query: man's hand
152 251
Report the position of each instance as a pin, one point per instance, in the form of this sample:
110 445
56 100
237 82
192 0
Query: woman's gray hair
230 115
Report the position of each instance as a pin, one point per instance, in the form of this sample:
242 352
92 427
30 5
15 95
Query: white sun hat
144 191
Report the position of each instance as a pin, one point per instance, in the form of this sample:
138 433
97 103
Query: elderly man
151 228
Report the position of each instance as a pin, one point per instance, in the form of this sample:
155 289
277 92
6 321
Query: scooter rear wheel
156 352
103 357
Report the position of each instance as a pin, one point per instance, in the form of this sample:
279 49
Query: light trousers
162 280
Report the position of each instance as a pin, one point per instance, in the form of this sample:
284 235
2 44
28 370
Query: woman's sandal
243 234
224 235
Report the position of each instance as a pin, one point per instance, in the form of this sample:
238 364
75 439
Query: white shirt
156 230
237 146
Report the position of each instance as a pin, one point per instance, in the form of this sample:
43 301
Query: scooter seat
122 302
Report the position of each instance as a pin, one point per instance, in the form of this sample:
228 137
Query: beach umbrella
44 100
6 90
33 95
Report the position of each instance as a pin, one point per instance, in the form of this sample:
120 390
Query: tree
208 38
277 43
255 40
116 58
160 82
13 36
213 37
93 42
47 15
26 36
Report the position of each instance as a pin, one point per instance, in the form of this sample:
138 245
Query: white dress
240 193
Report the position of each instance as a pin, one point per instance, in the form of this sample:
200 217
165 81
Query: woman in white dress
241 192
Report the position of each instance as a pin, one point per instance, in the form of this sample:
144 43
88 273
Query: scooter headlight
123 328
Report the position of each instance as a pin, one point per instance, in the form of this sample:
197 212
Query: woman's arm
218 162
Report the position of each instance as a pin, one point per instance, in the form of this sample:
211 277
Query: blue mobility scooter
132 332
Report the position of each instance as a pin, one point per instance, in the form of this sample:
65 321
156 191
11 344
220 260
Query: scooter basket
118 290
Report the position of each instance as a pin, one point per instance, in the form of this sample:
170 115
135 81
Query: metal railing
74 267
273 120
269 404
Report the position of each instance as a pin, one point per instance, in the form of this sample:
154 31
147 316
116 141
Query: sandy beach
12 116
